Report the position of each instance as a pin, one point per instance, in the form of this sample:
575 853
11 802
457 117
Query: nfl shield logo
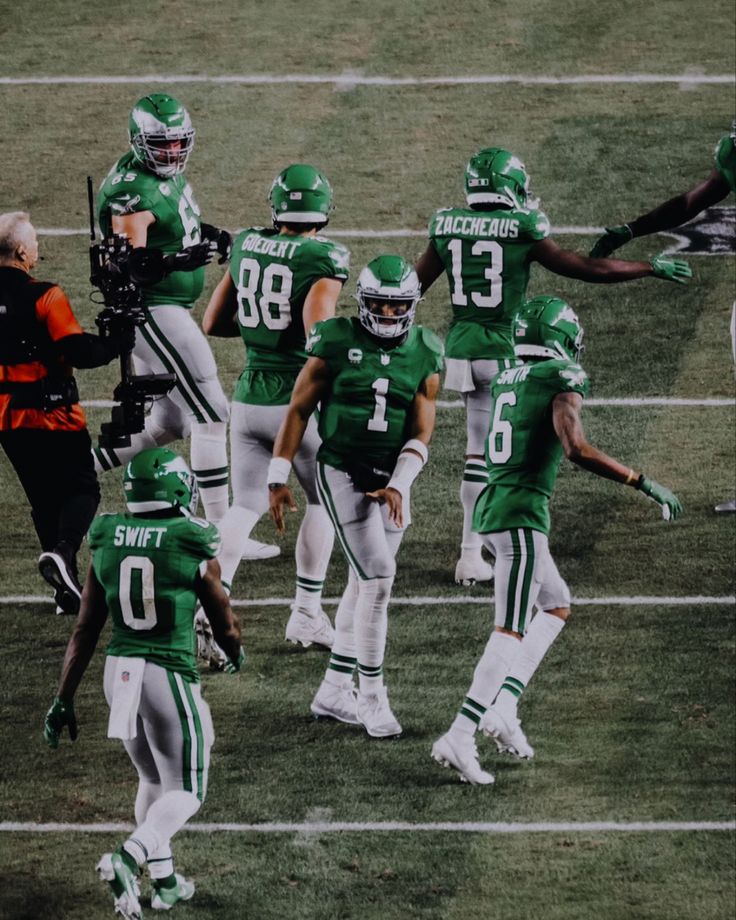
125 676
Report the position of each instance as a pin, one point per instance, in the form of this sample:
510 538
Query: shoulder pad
536 224
431 341
573 377
725 152
327 332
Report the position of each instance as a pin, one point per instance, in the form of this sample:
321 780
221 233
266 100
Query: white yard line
696 600
349 79
333 827
623 402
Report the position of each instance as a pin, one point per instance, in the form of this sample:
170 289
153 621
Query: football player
375 377
281 281
147 198
679 210
148 569
536 409
486 250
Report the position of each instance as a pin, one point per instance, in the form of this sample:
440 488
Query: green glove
60 714
613 238
668 501
671 269
233 667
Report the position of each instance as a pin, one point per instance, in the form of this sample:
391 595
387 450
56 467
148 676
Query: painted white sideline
333 827
623 402
349 79
696 600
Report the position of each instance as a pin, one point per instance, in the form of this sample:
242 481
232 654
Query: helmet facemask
161 135
387 292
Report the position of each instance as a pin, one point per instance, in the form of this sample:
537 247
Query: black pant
58 475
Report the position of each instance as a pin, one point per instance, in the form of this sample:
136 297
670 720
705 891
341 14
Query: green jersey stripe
325 495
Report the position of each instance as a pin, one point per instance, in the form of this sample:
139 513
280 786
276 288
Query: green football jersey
485 255
273 273
148 568
726 160
129 189
366 416
523 452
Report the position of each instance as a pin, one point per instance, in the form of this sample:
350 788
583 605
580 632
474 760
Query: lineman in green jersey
535 418
146 197
280 282
148 569
486 251
679 210
375 378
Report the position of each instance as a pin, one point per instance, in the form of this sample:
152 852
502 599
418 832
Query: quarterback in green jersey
280 282
678 210
486 250
375 377
535 418
149 567
147 198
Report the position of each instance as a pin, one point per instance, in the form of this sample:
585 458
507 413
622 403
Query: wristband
278 471
408 466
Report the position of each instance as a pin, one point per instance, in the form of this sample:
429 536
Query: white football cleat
255 551
506 732
726 507
207 649
457 750
332 702
124 884
308 628
470 570
374 714
166 898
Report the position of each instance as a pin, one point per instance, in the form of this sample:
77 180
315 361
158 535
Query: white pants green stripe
525 576
174 731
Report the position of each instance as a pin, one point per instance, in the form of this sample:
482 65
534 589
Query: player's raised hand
671 269
280 497
612 239
392 498
668 501
60 714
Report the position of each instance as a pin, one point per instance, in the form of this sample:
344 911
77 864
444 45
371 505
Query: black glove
189 259
223 242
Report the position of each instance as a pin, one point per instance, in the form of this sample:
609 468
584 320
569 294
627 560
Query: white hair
16 230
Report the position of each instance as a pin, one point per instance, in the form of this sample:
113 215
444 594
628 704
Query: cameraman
42 426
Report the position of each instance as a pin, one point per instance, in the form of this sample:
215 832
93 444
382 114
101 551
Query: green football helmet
301 194
387 280
158 478
156 123
495 176
548 327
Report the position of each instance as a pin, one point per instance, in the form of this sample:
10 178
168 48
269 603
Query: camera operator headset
43 429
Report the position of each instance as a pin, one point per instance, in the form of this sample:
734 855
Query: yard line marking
349 79
651 401
333 827
696 600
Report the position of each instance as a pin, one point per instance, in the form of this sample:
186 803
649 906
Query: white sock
313 550
145 797
495 663
475 478
161 864
235 528
371 627
208 453
542 632
167 815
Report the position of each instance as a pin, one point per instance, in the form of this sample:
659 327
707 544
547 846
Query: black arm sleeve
85 350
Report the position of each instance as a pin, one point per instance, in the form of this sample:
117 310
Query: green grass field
632 713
